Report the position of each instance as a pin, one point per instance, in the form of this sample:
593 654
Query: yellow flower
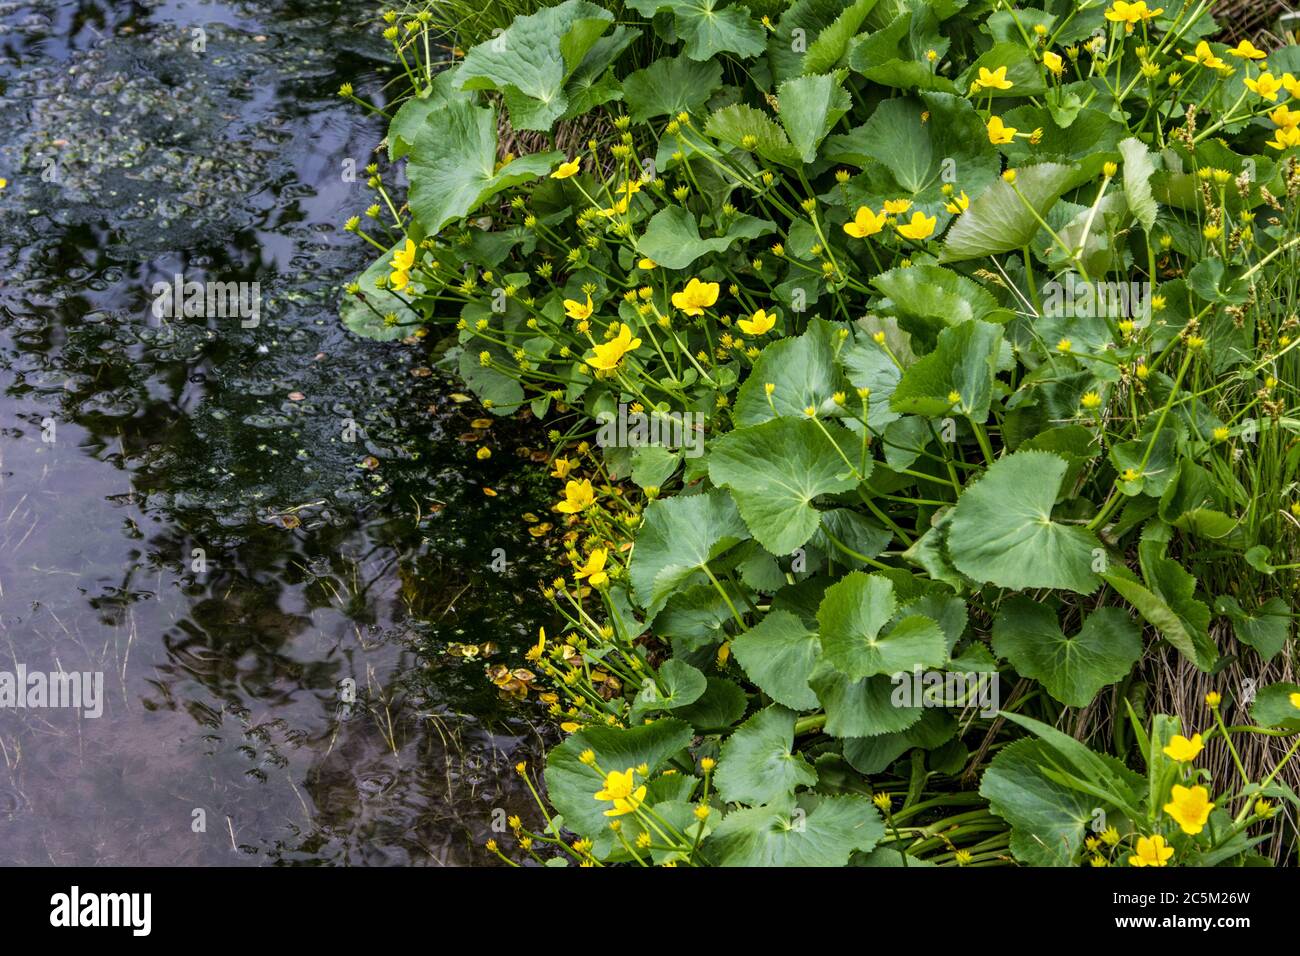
405 258
577 310
921 227
1286 138
1131 14
958 204
594 569
1054 62
1285 117
1205 57
1266 85
578 496
565 170
1221 433
759 324
535 652
1295 701
865 223
1151 851
1245 50
1291 84
402 263
896 207
996 80
562 468
611 353
621 790
696 297
1213 699
1190 807
646 263
1182 749
999 132
1091 400
617 209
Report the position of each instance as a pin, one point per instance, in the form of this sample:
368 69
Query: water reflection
180 506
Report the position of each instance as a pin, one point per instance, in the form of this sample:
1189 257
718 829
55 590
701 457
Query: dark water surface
131 447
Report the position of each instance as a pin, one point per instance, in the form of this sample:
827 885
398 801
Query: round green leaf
852 616
1002 530
779 655
757 764
1073 669
776 469
678 538
817 832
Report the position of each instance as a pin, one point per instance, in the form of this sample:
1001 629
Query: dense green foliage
982 317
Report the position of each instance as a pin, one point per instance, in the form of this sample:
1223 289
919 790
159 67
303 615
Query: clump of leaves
977 331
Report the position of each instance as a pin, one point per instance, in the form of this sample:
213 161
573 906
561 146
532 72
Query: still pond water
131 447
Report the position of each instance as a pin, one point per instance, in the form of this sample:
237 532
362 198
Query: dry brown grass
1256 20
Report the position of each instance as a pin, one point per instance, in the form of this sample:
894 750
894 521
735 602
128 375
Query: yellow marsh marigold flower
621 790
958 204
578 310
1205 57
1151 851
1266 85
594 569
696 297
1131 14
881 800
1295 701
865 223
999 132
921 227
578 496
1285 117
565 170
760 323
1054 62
562 468
994 80
1091 400
1110 836
403 261
1221 433
1213 699
646 263
1190 807
535 652
1182 749
610 354
1286 138
1245 50
707 764
896 207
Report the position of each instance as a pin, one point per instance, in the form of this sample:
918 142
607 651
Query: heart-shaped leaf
1002 530
1073 669
757 764
776 469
